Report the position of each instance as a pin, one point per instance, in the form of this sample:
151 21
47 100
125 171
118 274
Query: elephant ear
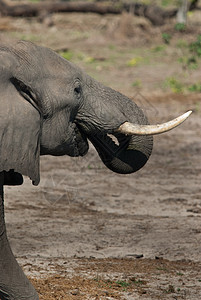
20 122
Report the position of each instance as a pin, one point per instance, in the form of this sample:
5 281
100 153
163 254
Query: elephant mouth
109 143
113 149
82 145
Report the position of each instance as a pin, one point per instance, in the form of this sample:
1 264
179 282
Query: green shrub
188 62
196 87
166 37
67 54
137 83
158 48
134 61
180 27
175 85
195 47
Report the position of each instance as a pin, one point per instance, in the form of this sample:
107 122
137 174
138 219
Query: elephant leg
14 285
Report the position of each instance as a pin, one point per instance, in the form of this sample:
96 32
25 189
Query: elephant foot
14 285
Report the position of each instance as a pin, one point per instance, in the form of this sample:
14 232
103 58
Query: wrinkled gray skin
50 106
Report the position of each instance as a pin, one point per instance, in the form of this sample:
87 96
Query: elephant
49 106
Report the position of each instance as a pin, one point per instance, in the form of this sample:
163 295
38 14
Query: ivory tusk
130 129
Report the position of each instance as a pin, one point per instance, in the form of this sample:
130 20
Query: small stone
75 292
159 257
105 293
171 288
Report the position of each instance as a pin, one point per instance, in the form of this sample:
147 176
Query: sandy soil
87 233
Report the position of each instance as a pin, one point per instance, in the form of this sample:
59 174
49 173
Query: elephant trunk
100 116
127 156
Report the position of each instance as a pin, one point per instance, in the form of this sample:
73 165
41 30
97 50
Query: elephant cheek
58 140
57 137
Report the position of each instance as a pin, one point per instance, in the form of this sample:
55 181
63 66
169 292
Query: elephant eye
77 91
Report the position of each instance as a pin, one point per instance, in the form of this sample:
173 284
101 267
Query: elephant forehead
37 61
7 63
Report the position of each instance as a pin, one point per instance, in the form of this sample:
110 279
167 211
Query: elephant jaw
74 143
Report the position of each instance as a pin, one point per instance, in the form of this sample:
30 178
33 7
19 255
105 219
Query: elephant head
50 106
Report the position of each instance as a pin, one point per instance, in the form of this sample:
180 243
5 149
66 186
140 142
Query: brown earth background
85 232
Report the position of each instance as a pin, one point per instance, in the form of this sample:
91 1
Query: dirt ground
87 233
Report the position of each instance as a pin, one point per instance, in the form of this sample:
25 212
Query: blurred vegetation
195 47
188 58
180 27
191 54
166 37
167 57
66 54
174 84
196 87
134 61
161 3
